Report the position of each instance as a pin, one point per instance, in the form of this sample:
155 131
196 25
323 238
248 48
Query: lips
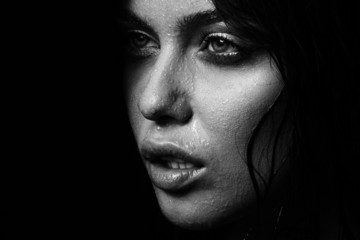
171 167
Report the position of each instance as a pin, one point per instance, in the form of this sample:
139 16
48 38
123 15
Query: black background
74 172
73 167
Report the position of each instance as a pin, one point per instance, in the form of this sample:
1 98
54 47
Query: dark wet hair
312 45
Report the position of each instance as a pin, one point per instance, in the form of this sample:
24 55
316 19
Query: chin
193 212
196 220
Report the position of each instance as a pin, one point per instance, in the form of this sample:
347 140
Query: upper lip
156 151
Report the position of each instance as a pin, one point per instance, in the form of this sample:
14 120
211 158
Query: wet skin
195 95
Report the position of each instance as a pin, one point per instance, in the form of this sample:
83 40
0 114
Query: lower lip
173 179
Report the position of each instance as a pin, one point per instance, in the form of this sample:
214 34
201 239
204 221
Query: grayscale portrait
243 114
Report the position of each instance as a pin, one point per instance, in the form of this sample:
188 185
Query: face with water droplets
191 83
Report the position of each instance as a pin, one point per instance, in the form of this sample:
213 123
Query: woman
237 112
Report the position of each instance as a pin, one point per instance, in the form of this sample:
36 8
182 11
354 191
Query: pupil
219 45
140 40
220 42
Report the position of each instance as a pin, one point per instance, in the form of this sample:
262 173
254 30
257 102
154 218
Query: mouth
169 162
170 167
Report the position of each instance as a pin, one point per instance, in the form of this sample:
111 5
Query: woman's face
195 94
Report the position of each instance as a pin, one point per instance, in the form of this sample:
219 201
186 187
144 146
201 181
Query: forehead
168 12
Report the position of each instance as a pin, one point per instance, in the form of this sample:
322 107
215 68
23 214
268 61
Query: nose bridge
165 94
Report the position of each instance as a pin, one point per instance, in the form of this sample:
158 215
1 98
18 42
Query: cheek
231 103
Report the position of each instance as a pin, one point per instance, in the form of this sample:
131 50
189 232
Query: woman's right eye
140 44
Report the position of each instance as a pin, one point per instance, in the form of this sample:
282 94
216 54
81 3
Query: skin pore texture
192 86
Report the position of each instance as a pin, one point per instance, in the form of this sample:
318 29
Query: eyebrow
128 18
198 19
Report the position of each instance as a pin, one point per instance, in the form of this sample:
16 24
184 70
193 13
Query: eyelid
225 36
238 54
136 31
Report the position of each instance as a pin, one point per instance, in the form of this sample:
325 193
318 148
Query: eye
141 44
139 40
219 45
222 49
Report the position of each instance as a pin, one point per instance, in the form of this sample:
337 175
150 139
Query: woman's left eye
219 45
222 49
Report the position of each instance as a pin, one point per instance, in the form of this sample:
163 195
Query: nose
165 98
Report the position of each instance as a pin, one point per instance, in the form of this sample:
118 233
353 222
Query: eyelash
237 55
140 52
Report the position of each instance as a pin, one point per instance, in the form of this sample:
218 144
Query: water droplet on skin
225 101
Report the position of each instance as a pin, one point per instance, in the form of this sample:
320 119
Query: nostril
165 121
174 116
